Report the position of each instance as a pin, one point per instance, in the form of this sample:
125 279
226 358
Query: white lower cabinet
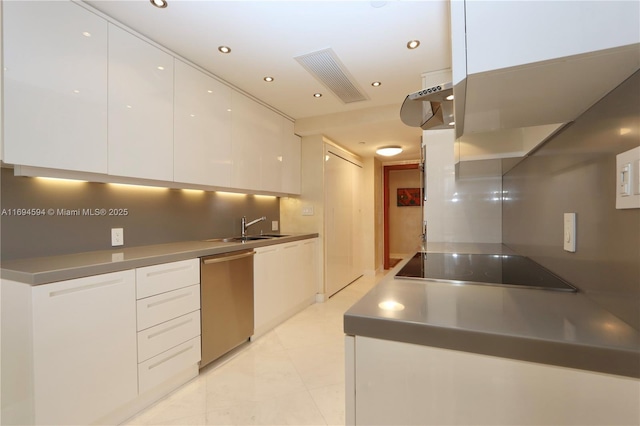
406 384
85 351
285 282
168 321
68 349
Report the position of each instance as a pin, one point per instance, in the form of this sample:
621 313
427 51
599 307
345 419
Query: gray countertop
43 270
556 328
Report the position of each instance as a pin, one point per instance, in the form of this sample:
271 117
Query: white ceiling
369 38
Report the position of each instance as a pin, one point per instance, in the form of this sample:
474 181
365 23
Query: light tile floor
293 375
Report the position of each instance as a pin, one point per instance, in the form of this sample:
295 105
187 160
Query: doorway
402 212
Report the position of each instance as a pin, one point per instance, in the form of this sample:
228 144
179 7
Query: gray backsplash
154 215
575 172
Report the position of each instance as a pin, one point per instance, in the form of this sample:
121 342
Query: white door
342 222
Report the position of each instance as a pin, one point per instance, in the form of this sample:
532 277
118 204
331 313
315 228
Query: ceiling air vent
327 68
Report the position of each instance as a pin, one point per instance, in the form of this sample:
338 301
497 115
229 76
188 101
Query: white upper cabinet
140 108
202 128
257 134
506 34
537 63
55 86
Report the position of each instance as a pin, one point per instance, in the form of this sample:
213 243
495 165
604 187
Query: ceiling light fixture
453 123
389 151
224 49
317 95
449 98
160 4
268 79
413 44
376 84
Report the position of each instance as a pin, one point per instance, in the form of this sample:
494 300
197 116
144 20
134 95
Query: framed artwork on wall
409 197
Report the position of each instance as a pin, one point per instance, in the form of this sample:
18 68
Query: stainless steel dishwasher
226 290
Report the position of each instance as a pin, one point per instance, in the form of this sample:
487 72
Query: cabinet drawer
166 306
165 336
157 279
162 367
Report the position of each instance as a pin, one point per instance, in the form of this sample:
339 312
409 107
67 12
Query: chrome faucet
245 225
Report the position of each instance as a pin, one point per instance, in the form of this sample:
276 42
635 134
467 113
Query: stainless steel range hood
429 108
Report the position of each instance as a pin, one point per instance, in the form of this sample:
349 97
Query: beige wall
372 216
312 196
405 223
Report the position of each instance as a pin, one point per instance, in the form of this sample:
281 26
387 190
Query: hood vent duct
325 66
429 108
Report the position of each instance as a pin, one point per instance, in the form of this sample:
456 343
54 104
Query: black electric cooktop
484 269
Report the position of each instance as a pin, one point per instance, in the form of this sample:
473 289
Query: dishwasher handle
219 259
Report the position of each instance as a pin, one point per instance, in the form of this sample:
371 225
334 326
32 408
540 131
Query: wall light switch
570 232
624 188
117 237
274 225
628 179
307 210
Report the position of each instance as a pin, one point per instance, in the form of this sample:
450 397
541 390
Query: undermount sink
240 239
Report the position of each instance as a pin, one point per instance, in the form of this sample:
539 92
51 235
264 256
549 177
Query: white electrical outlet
570 232
117 237
274 225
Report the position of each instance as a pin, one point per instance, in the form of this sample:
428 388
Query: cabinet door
257 146
291 159
342 222
140 108
202 138
84 348
268 287
55 86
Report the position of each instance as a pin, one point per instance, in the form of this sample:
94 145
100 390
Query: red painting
409 197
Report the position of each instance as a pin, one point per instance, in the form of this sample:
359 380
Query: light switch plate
274 225
570 232
117 237
628 179
307 210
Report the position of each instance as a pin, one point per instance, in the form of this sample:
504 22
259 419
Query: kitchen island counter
43 270
547 327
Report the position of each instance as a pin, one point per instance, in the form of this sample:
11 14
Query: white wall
458 210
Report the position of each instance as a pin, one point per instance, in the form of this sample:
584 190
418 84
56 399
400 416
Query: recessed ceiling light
224 49
376 84
161 4
268 79
317 95
160 67
413 44
389 151
449 98
86 34
209 91
453 123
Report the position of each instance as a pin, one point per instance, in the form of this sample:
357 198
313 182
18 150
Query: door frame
387 197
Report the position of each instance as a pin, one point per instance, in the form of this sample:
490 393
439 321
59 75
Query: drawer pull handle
170 299
167 271
152 366
85 287
160 332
